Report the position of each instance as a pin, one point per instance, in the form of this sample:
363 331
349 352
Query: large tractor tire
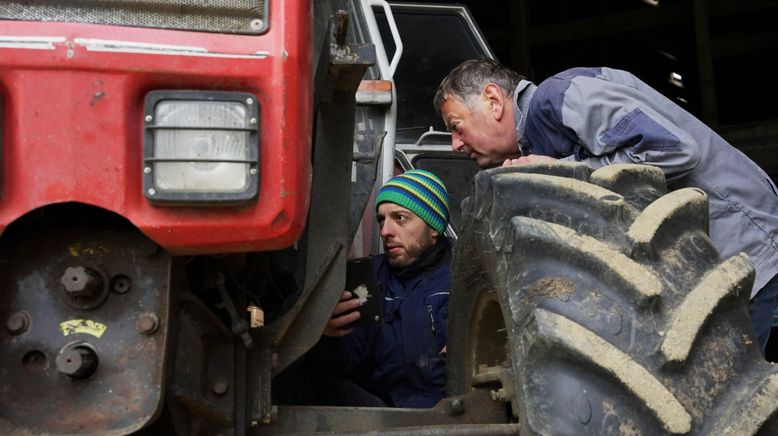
593 302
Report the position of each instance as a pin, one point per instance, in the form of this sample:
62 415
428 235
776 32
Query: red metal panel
73 124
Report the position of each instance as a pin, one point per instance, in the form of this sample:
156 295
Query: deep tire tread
732 277
573 203
684 208
759 406
639 184
535 235
615 285
589 347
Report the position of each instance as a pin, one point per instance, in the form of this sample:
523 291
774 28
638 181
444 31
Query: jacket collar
522 95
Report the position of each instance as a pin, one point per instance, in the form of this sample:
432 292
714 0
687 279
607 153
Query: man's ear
435 235
495 98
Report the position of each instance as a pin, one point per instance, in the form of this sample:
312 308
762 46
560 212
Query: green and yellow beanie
421 192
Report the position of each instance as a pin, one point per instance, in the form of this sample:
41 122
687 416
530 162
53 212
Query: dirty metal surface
433 430
202 378
341 68
475 407
86 356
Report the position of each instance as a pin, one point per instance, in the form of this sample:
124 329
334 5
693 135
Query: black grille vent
224 16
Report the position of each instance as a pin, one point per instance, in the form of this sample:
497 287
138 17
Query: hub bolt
81 282
148 323
77 362
17 323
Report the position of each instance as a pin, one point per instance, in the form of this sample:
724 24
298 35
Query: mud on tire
595 303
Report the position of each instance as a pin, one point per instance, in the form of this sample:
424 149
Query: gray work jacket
602 116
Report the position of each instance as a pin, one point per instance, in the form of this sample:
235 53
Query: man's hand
338 325
533 158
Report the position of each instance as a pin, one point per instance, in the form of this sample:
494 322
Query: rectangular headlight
200 147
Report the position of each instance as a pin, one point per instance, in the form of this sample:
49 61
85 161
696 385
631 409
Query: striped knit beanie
421 192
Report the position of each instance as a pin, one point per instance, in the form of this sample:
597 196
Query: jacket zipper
432 320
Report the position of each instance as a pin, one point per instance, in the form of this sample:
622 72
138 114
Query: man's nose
385 230
456 143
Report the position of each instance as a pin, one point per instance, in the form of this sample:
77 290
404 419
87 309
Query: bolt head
77 362
457 407
220 388
147 323
17 323
256 24
81 282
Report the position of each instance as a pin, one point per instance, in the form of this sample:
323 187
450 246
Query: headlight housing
200 147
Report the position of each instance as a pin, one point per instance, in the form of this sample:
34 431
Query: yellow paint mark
78 249
87 326
74 250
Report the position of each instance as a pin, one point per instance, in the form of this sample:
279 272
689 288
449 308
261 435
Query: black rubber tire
617 314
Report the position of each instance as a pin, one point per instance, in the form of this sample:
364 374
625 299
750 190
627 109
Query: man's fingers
513 162
343 315
335 326
343 320
345 306
532 158
536 158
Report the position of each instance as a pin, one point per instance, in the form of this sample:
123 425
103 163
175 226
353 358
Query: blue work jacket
400 360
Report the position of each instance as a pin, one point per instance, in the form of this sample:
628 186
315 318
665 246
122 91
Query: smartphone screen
361 282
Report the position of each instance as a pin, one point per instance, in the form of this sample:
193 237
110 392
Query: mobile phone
361 282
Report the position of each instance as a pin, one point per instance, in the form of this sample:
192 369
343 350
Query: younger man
401 361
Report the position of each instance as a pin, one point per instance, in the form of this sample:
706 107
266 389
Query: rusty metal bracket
463 414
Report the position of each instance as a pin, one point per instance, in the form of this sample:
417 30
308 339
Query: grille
225 16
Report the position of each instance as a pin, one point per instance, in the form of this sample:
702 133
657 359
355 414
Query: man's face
404 234
478 131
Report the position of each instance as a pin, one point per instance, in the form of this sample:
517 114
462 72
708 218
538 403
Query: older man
602 116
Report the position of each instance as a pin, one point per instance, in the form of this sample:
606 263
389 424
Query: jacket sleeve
616 123
345 354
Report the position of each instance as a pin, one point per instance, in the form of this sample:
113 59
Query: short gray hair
470 77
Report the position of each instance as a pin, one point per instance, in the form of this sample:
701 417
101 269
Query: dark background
720 48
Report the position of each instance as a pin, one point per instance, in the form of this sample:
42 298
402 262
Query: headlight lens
200 147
